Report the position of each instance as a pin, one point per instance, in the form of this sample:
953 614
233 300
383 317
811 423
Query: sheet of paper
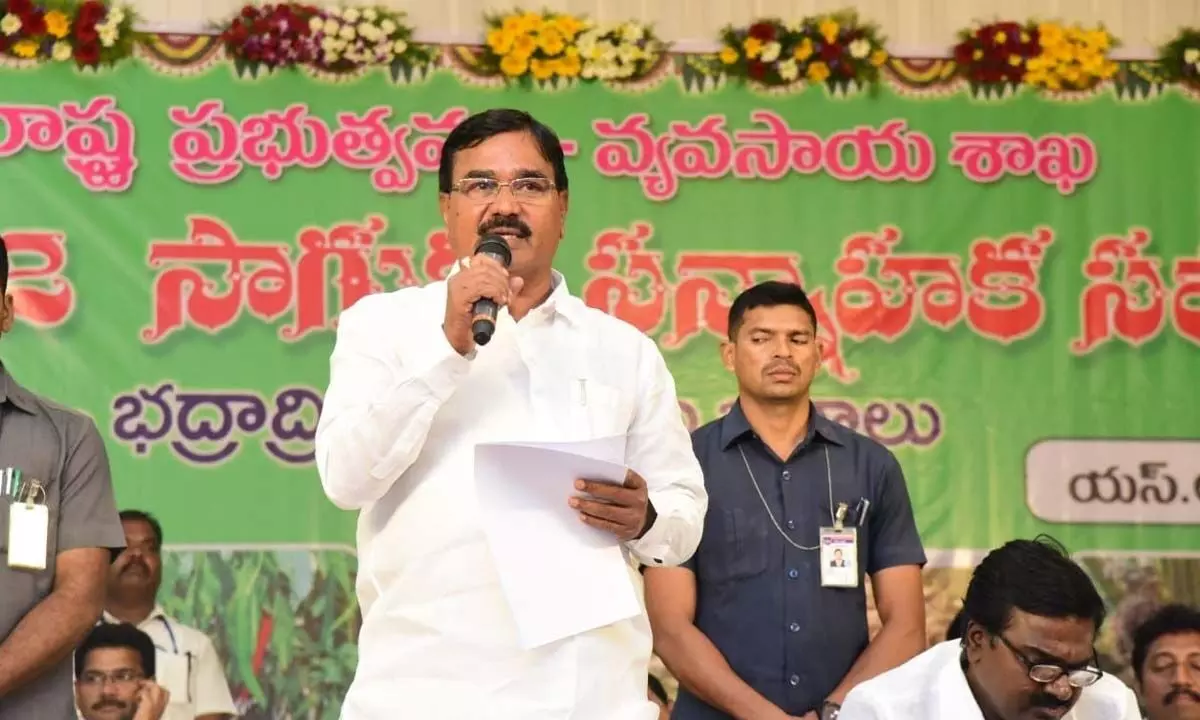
560 576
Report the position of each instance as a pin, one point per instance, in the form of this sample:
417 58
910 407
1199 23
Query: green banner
1008 290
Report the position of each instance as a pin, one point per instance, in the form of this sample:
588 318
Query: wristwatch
830 710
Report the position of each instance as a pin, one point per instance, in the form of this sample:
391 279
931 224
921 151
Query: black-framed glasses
1046 673
524 189
118 677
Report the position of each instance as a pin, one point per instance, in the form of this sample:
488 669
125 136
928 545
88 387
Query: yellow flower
513 65
541 69
1098 39
1014 60
804 50
551 40
879 57
728 55
977 55
1072 75
25 48
752 46
529 22
1001 37
1025 37
57 24
1108 69
500 41
1050 34
523 46
571 64
829 30
512 25
568 25
818 72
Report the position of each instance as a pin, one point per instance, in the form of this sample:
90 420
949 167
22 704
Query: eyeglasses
530 190
118 677
1046 673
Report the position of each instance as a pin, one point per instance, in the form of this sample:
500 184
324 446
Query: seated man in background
1166 663
114 675
1027 652
187 664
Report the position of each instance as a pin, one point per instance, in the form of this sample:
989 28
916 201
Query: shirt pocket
600 410
738 546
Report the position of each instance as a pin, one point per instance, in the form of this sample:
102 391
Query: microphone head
495 245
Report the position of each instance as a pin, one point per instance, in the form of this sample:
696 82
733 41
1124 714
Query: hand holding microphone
477 292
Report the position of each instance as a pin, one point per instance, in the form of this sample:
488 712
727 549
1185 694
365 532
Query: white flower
368 31
586 44
770 52
10 23
369 14
332 27
333 11
315 24
605 51
61 51
115 16
348 32
633 32
794 26
351 15
399 47
1191 56
860 48
387 26
108 36
788 70
329 45
629 54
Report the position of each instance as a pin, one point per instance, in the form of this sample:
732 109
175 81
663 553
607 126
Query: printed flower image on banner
90 34
836 50
528 46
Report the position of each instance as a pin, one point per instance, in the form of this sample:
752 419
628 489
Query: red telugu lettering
627 280
1125 294
1185 309
42 295
1006 302
349 243
103 162
1064 161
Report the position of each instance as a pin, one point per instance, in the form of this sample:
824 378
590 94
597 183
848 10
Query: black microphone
483 312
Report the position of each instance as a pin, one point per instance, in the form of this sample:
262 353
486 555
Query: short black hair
957 627
147 518
657 688
116 635
481 126
1034 576
3 264
1173 619
771 293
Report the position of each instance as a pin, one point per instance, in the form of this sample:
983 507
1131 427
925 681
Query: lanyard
170 634
767 507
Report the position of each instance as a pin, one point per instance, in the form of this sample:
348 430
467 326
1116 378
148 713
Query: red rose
845 69
87 54
90 13
260 26
831 52
987 35
762 31
757 70
33 23
86 34
964 53
249 11
19 7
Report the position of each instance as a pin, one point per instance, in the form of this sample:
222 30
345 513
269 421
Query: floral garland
832 49
996 55
527 46
90 33
619 51
277 36
1179 59
1071 58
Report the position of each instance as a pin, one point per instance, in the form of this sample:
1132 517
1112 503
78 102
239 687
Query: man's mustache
506 222
1179 691
110 703
138 563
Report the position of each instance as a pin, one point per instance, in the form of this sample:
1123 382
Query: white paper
560 576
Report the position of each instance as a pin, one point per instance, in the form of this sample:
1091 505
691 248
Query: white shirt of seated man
409 397
1014 664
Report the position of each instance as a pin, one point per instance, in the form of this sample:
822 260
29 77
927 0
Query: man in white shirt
114 675
409 397
186 663
1027 653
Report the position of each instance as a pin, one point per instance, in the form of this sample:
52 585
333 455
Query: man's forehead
1182 643
1068 639
778 318
137 528
112 658
513 153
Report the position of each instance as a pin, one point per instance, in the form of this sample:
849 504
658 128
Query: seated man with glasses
1027 652
114 675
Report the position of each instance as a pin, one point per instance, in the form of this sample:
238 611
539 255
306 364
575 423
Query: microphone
483 312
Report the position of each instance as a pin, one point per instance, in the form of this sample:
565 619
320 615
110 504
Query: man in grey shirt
45 613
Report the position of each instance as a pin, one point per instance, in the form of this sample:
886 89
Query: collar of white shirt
155 614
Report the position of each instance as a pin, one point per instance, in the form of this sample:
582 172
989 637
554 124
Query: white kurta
396 440
932 686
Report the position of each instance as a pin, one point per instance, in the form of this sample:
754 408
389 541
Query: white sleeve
859 705
659 449
382 394
212 690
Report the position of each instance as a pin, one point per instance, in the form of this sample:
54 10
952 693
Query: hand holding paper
619 509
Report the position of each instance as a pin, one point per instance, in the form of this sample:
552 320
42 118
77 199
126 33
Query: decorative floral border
90 33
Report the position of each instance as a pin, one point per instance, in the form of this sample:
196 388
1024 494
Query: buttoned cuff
653 548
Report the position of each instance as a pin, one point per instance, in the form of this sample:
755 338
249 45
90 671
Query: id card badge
172 672
28 535
839 557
